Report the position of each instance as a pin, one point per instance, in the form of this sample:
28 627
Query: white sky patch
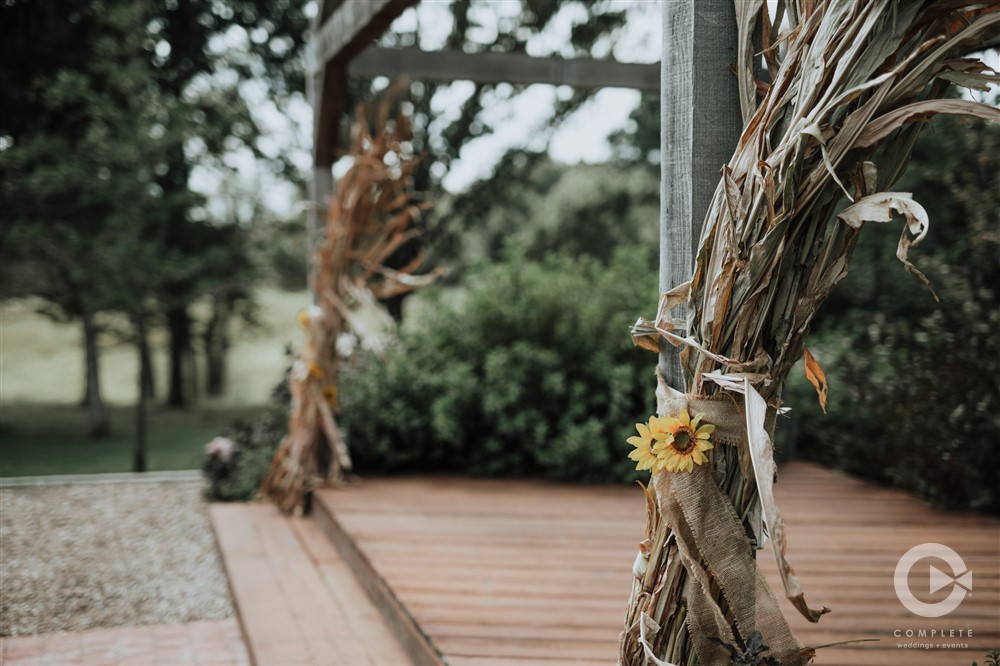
608 111
517 122
554 40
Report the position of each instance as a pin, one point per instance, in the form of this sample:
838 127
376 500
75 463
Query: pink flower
220 447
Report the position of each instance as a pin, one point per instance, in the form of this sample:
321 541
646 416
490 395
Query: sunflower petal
667 424
683 417
643 430
704 446
706 430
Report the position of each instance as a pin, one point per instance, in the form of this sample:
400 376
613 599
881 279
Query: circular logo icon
960 579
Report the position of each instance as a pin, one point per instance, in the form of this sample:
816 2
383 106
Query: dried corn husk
370 217
849 83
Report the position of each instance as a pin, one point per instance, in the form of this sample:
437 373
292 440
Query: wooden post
700 123
321 183
320 190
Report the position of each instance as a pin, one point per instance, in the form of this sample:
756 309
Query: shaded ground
107 555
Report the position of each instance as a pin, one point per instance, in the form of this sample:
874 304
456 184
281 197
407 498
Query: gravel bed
80 556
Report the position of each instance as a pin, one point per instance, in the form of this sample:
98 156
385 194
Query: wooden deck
296 601
472 572
512 573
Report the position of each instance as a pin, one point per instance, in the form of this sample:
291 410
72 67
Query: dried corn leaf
816 376
879 208
970 73
882 126
369 220
645 335
764 469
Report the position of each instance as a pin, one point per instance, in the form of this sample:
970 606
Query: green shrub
918 407
235 467
530 371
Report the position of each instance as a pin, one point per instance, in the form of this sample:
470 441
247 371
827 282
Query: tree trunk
179 325
148 383
100 426
142 407
216 339
700 125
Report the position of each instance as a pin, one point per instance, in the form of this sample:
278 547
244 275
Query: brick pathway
216 642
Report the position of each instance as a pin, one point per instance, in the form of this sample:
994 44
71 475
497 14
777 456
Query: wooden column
700 123
321 183
320 191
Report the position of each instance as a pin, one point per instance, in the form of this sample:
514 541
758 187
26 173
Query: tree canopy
108 108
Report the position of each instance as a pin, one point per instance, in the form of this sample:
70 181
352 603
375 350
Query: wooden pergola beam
348 27
516 68
352 26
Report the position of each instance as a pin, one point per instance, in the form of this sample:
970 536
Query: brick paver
215 643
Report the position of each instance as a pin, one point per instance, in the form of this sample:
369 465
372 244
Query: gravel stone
75 557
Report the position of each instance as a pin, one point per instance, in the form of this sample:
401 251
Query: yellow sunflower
644 455
681 442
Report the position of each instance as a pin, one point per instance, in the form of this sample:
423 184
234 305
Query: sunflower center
684 440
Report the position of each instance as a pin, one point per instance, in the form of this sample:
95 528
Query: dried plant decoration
371 216
849 83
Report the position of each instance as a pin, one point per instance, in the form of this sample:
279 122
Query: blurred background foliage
109 108
528 371
914 383
519 362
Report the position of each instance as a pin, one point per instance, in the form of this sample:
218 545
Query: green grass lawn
42 432
41 361
51 439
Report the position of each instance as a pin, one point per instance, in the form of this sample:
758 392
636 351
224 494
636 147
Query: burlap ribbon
714 547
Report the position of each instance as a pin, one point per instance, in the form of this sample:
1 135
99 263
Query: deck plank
363 618
286 590
522 572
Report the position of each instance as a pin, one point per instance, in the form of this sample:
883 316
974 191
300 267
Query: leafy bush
528 372
914 388
581 210
914 404
235 464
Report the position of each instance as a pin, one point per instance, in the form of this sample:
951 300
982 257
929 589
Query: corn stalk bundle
370 217
848 84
